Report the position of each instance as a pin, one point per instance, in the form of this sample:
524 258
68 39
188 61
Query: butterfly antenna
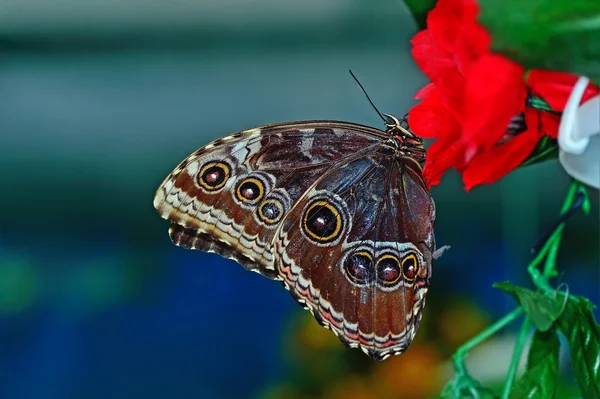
385 120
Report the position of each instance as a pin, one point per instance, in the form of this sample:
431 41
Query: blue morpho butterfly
339 212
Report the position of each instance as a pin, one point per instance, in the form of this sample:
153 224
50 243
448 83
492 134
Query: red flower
474 95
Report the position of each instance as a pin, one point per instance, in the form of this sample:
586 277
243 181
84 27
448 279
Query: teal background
100 101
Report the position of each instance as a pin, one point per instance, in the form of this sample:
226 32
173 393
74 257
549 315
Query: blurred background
100 100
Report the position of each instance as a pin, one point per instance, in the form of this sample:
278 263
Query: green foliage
586 206
583 335
466 387
574 319
550 311
419 10
545 150
542 309
541 377
549 34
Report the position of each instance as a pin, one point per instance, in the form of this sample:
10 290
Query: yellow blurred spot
416 374
460 321
314 337
18 287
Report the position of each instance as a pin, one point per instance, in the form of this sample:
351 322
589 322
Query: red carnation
477 99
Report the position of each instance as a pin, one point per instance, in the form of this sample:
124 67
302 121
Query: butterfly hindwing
341 251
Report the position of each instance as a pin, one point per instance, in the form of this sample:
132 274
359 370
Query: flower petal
555 87
542 122
430 118
438 65
452 88
474 42
429 56
494 93
444 153
425 91
490 165
445 21
549 124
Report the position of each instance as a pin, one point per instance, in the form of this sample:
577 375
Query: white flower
579 136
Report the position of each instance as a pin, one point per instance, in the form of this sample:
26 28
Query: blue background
98 103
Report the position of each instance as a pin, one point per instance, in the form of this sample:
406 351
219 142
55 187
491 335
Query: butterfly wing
324 206
229 196
356 250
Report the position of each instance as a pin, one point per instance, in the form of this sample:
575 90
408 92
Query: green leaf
545 150
538 103
586 206
550 34
465 388
583 333
542 309
541 376
419 10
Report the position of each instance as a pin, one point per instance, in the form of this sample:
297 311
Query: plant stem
516 357
551 258
462 352
549 251
576 198
550 248
541 280
557 236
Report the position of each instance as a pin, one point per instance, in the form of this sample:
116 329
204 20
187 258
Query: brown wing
230 195
359 263
318 205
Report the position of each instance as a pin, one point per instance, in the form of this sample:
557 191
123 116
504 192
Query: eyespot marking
410 267
388 269
271 211
357 267
322 221
213 176
250 191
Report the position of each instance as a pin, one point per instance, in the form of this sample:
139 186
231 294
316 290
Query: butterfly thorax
404 143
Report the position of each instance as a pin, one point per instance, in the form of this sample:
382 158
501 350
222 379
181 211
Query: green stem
541 280
549 251
462 352
516 357
555 242
550 263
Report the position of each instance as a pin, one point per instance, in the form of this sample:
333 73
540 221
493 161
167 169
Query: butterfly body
337 211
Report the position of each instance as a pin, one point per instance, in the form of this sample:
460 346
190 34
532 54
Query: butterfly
339 212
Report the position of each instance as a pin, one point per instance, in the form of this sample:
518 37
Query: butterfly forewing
330 208
279 162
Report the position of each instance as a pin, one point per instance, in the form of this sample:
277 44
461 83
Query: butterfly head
404 141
